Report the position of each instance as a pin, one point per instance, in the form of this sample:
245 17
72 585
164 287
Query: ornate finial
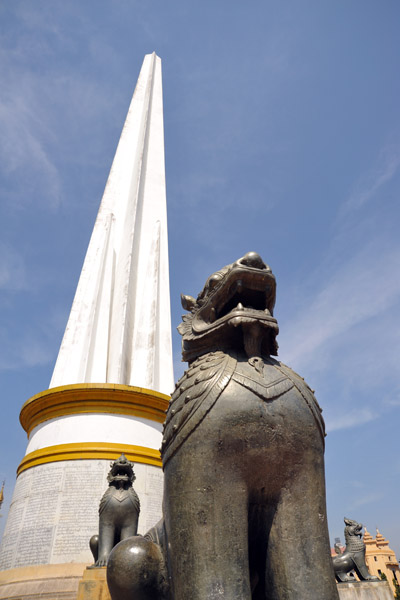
368 539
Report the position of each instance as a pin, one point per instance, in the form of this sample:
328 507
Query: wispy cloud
364 287
198 188
13 275
346 321
42 110
367 498
26 161
394 399
24 352
351 418
23 148
366 188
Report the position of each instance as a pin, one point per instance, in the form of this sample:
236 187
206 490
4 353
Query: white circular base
92 427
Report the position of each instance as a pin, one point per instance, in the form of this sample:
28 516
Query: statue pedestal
58 582
365 590
93 585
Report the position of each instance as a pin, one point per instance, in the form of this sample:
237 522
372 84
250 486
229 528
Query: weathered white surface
119 329
95 427
54 511
365 590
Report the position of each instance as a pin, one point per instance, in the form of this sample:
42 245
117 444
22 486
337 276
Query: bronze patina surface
244 487
118 511
353 557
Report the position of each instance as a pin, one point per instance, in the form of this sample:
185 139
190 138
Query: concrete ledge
44 582
365 590
93 585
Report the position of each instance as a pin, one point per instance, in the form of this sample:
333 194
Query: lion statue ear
188 302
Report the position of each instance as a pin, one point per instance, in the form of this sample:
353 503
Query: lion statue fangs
118 511
244 489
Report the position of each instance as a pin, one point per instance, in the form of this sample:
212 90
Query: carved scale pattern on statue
244 509
204 381
353 538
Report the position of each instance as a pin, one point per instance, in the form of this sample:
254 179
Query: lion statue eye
212 282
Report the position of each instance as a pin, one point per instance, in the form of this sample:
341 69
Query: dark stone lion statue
243 456
353 557
118 511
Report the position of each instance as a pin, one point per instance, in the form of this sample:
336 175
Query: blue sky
282 136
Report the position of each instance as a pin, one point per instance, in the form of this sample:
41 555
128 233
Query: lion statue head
121 470
234 310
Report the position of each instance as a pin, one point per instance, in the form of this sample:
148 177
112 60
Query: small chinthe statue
353 557
118 511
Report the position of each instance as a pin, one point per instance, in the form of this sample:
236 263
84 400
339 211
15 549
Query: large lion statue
353 557
244 490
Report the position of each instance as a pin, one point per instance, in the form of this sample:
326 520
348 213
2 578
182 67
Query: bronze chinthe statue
118 511
244 488
353 558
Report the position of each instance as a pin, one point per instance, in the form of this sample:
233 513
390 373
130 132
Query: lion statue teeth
244 509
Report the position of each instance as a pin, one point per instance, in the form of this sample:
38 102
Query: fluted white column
119 329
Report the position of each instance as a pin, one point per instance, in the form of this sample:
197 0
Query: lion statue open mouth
240 294
121 470
244 488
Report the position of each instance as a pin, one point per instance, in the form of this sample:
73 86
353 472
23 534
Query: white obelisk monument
113 374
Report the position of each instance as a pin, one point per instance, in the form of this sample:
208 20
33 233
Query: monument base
41 582
93 585
365 590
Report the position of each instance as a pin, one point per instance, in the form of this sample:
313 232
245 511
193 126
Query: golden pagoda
381 559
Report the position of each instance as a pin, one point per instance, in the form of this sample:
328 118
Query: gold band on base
90 451
89 398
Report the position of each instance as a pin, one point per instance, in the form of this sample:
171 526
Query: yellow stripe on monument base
89 398
90 451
